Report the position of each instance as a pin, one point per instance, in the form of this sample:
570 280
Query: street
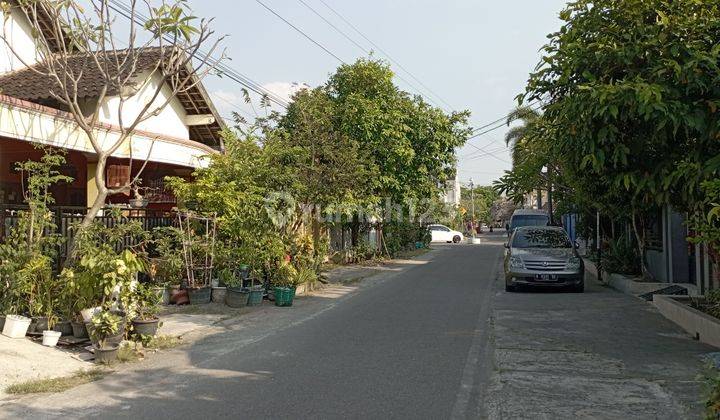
440 339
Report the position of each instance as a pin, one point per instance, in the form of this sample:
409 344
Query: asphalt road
413 346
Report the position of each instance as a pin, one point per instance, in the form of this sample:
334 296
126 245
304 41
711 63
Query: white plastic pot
50 338
16 326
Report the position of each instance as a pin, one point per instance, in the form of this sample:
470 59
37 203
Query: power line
385 53
505 118
358 45
300 31
232 74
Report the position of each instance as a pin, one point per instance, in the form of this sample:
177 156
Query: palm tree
514 138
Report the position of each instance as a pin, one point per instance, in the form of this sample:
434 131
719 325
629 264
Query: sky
471 54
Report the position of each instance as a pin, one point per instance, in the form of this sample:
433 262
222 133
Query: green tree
484 197
632 97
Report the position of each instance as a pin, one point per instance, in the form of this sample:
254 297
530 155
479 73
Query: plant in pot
285 280
104 325
146 322
236 296
106 275
225 276
168 260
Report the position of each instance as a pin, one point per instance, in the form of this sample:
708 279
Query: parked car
527 217
441 233
543 256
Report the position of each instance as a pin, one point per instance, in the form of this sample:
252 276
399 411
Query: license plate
546 277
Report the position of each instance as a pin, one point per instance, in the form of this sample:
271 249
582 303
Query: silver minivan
543 256
527 217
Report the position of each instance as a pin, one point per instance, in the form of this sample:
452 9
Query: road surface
438 339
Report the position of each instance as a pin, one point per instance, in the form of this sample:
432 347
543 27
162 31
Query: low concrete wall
631 285
700 325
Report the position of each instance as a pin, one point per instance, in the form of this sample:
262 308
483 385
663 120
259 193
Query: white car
441 233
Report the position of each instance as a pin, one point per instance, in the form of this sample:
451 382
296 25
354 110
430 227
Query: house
672 258
173 142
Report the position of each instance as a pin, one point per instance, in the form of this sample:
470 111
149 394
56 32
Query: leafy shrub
621 257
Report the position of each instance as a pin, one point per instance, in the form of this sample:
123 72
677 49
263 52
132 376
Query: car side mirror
507 227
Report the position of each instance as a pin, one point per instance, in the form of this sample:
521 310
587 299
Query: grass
56 384
163 342
128 354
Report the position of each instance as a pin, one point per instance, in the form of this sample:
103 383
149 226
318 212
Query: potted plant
138 201
146 322
169 263
236 295
285 283
104 325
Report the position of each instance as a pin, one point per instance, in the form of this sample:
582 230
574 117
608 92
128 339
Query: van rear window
529 220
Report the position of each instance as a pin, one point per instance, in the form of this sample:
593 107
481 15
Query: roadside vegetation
61 384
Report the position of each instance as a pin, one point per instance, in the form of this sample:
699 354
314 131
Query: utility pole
472 203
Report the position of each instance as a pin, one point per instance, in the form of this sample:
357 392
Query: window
529 220
541 238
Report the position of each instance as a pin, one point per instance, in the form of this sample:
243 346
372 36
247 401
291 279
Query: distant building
451 194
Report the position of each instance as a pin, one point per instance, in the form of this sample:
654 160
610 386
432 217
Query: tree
327 164
74 43
484 198
631 89
517 136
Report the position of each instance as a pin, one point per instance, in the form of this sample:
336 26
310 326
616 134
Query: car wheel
580 288
456 240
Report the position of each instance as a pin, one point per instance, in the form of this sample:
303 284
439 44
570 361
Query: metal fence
67 218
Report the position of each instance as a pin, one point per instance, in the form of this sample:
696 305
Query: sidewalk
601 354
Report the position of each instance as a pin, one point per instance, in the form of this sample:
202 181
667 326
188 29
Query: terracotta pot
180 297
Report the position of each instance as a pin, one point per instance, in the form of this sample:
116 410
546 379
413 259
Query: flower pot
88 313
38 324
143 327
237 297
107 354
199 295
139 203
114 340
65 328
256 296
79 330
16 326
50 338
218 294
284 296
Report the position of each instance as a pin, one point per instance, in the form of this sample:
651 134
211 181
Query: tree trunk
640 239
93 211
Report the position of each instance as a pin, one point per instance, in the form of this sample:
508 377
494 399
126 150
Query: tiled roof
32 85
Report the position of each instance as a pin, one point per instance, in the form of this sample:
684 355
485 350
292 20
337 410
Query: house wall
671 264
17 29
170 121
33 123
